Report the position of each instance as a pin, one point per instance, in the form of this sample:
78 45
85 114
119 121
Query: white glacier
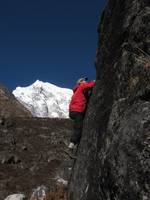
45 99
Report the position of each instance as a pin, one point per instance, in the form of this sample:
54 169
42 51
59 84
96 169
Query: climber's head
82 80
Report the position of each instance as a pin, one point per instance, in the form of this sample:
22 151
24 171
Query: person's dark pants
77 127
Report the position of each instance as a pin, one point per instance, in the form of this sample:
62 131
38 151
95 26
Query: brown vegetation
59 194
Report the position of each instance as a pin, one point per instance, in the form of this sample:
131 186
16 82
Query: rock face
114 154
32 153
9 106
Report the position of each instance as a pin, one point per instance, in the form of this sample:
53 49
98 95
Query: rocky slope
33 151
114 154
9 106
32 154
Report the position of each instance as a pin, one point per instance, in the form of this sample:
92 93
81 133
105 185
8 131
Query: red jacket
79 101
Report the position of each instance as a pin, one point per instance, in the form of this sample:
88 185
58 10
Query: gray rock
40 193
16 197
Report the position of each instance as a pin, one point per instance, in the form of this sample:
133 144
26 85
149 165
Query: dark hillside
32 153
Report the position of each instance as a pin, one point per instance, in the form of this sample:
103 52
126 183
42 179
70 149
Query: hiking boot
72 146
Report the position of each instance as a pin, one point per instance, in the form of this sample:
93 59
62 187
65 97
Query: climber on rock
77 108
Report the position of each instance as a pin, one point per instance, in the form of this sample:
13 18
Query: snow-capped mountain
45 99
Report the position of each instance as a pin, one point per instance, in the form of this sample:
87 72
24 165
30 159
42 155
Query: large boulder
114 154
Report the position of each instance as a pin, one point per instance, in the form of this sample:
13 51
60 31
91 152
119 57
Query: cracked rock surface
114 154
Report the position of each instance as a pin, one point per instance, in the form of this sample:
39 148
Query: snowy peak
45 99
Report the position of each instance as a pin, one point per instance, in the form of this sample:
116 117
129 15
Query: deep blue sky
50 40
